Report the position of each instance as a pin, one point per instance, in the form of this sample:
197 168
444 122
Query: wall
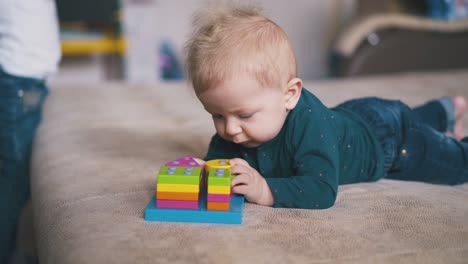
311 25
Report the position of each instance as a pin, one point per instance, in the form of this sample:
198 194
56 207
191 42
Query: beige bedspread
99 149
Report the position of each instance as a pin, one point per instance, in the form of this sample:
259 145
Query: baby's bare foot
460 109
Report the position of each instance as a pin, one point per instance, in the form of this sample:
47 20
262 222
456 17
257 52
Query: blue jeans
413 141
21 100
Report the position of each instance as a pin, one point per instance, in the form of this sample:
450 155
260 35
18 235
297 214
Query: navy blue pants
21 100
413 140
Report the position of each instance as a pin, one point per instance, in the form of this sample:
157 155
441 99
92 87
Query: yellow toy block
190 188
216 189
217 164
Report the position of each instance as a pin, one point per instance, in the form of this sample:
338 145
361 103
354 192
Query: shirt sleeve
314 145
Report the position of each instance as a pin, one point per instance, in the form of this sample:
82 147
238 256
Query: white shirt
29 37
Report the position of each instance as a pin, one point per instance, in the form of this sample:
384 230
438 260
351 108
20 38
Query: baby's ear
293 93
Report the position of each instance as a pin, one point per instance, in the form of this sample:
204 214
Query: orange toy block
177 196
217 206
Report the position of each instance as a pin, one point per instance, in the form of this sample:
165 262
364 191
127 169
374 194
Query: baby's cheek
219 128
267 132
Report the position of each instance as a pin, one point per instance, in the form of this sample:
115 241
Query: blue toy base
233 216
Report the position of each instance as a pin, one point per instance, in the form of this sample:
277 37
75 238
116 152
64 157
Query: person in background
29 53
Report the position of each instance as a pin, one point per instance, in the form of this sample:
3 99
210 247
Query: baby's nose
232 128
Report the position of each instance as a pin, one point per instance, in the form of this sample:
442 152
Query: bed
99 148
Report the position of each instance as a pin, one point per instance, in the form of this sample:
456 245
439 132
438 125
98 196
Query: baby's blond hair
231 39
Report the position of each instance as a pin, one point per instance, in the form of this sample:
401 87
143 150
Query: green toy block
179 175
219 177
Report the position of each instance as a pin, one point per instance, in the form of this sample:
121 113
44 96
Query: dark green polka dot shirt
316 150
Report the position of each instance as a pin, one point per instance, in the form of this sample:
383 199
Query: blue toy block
202 215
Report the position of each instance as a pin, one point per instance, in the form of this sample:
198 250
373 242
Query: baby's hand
250 183
200 162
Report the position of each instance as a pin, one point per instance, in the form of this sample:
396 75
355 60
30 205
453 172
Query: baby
287 148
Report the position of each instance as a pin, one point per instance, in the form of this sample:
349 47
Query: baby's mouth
236 141
249 144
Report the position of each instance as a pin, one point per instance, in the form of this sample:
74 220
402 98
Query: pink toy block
184 161
177 204
219 198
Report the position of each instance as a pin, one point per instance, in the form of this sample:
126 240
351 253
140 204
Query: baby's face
245 112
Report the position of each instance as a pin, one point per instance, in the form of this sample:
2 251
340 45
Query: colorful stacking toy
185 194
219 185
178 184
178 187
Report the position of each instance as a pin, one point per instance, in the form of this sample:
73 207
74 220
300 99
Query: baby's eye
216 116
245 116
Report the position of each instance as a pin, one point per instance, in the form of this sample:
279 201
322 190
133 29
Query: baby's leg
461 106
427 155
444 114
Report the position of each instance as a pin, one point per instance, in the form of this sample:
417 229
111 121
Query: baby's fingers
240 189
240 169
238 161
241 179
200 161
